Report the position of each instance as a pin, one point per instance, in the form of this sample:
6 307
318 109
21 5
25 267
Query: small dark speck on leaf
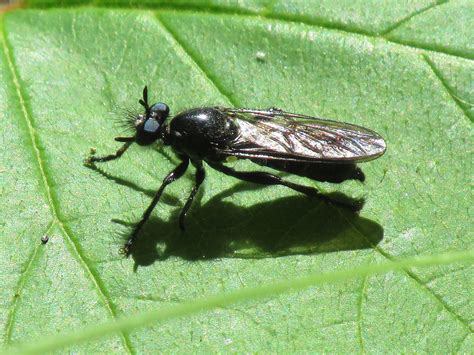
384 173
44 239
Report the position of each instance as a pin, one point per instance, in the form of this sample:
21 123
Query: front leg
128 142
171 177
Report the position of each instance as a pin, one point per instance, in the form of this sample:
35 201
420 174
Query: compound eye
161 108
151 126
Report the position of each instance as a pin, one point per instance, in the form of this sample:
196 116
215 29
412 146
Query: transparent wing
277 135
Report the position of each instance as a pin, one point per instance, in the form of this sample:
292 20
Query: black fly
323 150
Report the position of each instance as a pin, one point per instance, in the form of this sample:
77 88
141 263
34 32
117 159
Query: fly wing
277 135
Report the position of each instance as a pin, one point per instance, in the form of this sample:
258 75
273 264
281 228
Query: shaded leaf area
66 76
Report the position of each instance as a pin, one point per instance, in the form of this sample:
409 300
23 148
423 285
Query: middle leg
199 178
171 177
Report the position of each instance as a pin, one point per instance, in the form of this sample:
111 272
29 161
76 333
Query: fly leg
128 142
171 177
264 178
199 178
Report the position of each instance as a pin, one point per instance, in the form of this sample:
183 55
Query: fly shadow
284 226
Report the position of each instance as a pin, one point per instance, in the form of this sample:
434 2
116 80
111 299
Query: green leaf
229 298
402 69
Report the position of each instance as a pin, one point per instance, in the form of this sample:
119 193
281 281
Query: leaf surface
66 73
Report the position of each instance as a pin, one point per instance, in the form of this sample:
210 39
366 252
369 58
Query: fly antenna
144 101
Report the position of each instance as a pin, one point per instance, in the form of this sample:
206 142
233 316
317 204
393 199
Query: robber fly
323 150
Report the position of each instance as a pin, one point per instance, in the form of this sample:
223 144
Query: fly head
149 124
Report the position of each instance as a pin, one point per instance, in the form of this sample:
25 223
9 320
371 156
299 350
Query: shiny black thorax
198 132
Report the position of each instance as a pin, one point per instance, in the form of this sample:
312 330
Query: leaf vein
412 45
437 73
21 283
418 12
413 276
197 63
209 303
47 184
323 23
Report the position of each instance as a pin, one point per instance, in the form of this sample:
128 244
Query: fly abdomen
325 172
